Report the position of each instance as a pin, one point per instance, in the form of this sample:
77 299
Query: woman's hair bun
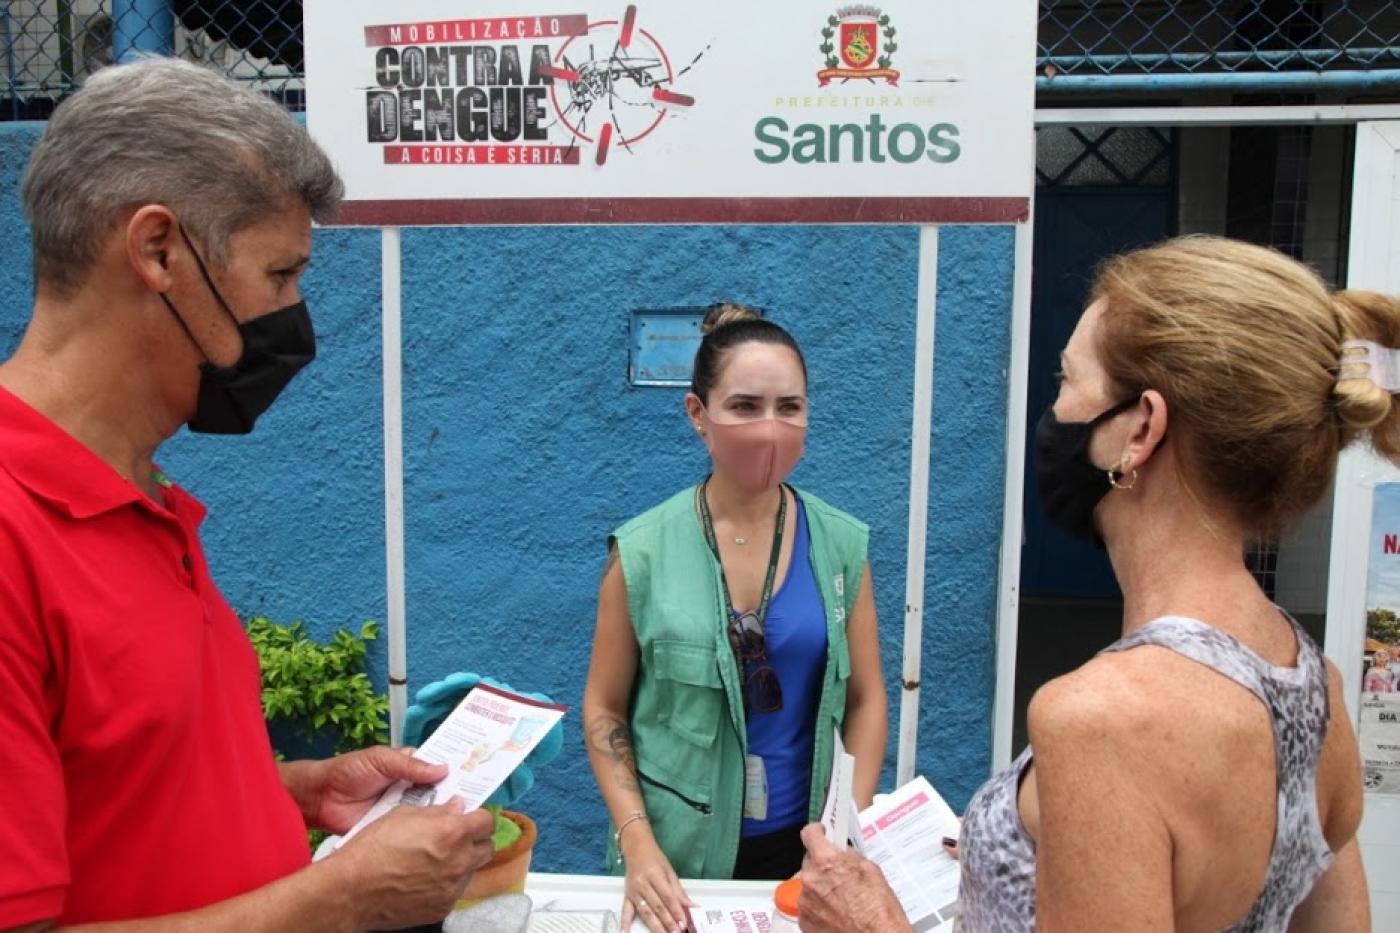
1361 404
723 313
727 325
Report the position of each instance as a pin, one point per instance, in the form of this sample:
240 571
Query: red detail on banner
671 97
1392 544
674 210
478 30
561 109
481 155
858 42
604 137
889 74
560 74
629 19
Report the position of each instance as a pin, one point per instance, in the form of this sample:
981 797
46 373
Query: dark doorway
1101 191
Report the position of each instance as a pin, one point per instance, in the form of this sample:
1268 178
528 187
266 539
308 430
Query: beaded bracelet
617 836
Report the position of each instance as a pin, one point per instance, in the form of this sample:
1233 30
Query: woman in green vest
736 635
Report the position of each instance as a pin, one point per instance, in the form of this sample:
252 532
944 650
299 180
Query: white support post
390 244
1012 521
920 437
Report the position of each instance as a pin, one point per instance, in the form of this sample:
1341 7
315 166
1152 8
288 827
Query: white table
558 898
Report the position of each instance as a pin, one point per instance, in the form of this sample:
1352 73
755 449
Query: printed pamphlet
482 741
839 806
737 920
903 833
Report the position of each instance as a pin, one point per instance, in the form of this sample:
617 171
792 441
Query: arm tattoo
620 743
611 736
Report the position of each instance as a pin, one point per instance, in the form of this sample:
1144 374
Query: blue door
1076 227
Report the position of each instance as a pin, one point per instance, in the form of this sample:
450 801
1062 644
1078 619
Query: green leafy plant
891 46
827 49
320 690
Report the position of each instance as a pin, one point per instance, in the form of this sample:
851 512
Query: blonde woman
1201 772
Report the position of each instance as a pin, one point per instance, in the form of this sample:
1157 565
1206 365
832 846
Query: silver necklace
741 541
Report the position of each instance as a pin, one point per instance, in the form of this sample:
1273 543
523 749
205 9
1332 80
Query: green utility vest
687 710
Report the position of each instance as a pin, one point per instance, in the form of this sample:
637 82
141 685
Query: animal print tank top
998 876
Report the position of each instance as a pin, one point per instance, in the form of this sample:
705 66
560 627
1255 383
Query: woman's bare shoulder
1139 698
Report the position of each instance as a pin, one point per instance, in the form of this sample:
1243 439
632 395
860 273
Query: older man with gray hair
171 213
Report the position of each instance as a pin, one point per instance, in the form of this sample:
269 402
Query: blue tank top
796 633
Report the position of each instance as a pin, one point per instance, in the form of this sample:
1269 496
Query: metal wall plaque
663 344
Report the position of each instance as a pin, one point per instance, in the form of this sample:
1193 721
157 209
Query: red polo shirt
136 776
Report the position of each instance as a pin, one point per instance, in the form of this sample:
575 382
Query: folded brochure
734 920
902 832
482 741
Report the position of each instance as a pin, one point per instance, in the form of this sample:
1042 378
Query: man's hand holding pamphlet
484 739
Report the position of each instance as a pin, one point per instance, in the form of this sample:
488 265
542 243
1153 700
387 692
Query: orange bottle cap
787 894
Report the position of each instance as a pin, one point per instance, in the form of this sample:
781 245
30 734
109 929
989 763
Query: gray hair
165 131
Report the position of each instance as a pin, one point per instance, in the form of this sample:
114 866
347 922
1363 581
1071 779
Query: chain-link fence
49 46
1105 37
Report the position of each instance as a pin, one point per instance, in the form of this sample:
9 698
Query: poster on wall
1379 726
516 112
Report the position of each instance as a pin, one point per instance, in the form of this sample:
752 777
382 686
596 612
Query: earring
1116 473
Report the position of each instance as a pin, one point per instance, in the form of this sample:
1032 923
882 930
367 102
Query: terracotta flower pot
505 873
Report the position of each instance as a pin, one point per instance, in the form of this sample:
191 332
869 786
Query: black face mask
276 346
1070 485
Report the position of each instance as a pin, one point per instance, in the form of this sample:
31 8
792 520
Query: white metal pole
390 245
922 429
1012 519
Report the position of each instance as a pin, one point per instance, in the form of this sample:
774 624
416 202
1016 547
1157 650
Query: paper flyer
903 834
836 812
483 740
735 920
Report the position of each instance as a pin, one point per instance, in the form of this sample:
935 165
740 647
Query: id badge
755 788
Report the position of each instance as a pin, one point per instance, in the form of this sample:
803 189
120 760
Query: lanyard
709 524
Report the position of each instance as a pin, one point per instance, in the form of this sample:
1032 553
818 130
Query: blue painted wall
524 445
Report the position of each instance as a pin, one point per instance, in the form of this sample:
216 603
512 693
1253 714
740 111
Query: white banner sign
513 112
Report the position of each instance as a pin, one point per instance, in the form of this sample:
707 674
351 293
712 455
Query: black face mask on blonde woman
1070 486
